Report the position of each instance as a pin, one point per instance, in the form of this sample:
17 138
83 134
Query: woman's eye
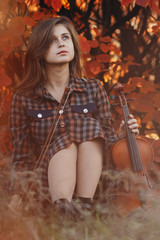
65 37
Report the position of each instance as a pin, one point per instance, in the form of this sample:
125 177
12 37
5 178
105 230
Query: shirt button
62 124
85 110
60 111
39 115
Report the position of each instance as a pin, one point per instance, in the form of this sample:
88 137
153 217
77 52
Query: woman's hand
15 204
132 124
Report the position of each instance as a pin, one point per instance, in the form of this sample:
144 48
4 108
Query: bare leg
62 173
89 167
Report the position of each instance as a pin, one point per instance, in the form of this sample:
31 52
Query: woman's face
61 49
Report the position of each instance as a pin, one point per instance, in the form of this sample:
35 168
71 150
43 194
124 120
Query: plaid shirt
86 116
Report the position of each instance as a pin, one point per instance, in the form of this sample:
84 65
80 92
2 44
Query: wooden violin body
133 156
121 157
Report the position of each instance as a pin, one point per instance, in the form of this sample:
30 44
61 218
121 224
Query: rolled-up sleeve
104 115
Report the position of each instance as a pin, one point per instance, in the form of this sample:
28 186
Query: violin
133 155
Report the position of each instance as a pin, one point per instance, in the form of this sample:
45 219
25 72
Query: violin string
132 144
129 140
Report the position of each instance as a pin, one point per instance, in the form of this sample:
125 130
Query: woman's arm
104 115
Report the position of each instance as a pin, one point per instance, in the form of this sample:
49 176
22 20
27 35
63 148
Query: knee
65 193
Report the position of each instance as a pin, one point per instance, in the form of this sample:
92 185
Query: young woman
74 159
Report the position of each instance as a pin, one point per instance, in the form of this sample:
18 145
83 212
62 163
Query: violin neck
132 143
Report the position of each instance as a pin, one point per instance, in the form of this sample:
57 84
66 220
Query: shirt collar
77 84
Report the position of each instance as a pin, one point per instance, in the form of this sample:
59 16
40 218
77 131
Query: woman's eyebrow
63 34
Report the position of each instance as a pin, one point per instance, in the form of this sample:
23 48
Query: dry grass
42 224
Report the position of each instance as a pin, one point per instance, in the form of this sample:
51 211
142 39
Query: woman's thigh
89 167
62 173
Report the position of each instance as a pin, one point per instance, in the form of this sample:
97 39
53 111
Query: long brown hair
35 74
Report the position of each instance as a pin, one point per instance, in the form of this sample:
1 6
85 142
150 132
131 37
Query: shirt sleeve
22 157
104 115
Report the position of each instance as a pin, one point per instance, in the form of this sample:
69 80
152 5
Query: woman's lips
62 52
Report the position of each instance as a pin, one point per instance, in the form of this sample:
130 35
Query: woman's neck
58 76
58 80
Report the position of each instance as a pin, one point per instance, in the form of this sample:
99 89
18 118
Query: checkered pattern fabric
86 116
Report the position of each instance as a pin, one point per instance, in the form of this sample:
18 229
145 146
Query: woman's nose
60 43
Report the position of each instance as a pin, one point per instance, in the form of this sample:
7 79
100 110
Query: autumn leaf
154 5
16 26
4 5
4 79
148 117
28 21
105 39
38 15
104 47
126 2
95 67
149 87
142 3
48 2
16 40
55 4
137 81
128 87
103 58
93 43
142 102
84 44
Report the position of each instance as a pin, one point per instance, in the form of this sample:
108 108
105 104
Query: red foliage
95 67
16 26
28 21
4 79
84 45
142 3
142 102
103 58
153 4
105 39
38 15
93 43
104 47
30 2
55 4
126 2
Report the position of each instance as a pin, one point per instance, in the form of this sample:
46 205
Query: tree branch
124 19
